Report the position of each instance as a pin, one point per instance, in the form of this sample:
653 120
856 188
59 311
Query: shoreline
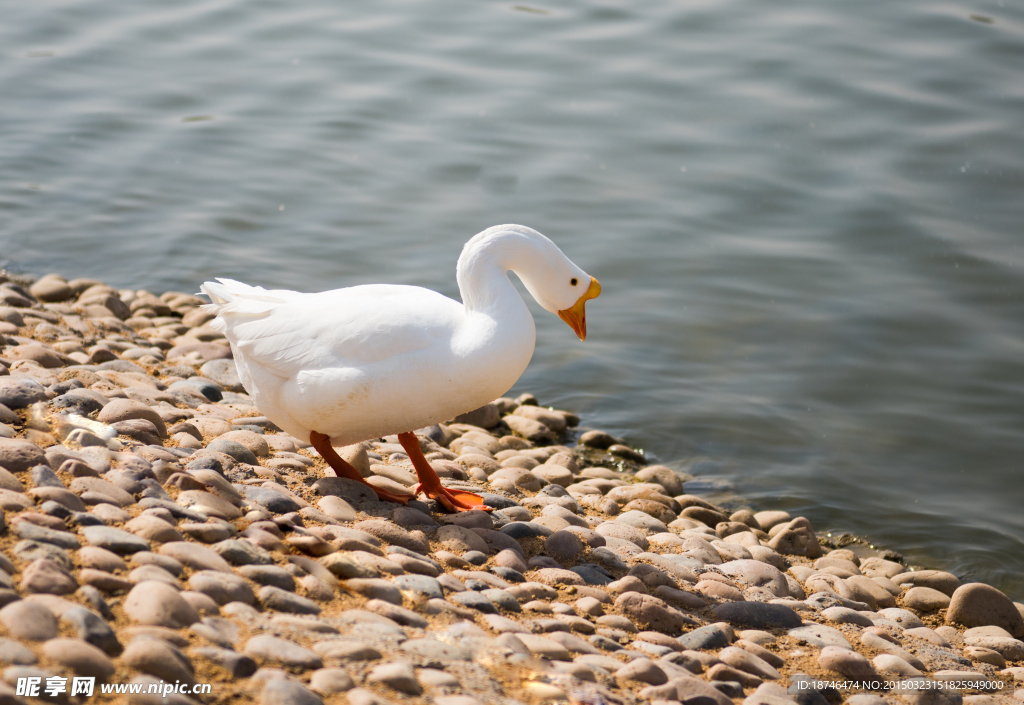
140 483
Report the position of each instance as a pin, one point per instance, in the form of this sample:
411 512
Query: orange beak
575 315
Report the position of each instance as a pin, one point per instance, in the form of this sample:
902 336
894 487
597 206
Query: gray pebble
95 598
158 658
273 500
90 627
283 601
420 584
398 675
222 587
115 540
474 601
269 575
713 636
758 615
503 599
237 451
237 665
376 588
34 532
239 552
220 631
18 393
274 650
286 692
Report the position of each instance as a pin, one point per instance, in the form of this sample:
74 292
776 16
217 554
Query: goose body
369 361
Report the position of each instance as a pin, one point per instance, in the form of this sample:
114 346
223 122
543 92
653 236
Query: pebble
159 658
283 601
283 692
195 556
274 650
28 620
11 652
90 627
331 680
81 657
758 615
46 576
845 662
925 599
158 604
977 604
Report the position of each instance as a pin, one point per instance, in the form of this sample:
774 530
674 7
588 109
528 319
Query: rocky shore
156 527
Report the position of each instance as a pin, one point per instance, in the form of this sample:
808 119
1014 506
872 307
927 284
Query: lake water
806 215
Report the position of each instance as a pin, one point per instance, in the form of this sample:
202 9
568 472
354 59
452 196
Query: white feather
368 361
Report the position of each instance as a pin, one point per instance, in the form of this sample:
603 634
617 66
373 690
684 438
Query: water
805 214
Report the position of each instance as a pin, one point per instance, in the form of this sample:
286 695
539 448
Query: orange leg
341 468
430 483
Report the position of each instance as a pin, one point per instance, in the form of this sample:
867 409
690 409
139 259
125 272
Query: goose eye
573 281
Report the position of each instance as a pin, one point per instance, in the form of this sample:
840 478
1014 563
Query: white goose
348 365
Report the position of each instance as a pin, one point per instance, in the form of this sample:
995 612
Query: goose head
554 281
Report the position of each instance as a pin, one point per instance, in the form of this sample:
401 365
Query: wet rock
158 604
977 604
